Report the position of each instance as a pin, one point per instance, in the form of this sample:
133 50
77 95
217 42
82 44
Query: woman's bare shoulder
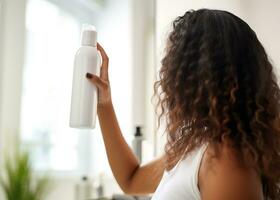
223 176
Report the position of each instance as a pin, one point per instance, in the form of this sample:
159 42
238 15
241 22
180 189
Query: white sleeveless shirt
181 182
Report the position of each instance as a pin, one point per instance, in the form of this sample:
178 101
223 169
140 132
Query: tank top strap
196 166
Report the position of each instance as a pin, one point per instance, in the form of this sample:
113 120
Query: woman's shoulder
222 174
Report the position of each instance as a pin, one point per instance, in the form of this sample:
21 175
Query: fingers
104 56
105 62
96 80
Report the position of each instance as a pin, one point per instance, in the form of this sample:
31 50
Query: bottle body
84 94
83 189
137 143
137 147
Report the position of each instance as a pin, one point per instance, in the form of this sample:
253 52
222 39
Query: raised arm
132 178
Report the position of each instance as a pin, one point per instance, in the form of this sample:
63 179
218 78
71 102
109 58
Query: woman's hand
102 82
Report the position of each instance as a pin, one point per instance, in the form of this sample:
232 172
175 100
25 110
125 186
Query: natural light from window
52 39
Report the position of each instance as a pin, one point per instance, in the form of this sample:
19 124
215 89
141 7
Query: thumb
96 80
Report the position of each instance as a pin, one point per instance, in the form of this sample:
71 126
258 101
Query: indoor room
107 99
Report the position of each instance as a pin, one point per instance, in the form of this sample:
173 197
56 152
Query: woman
220 98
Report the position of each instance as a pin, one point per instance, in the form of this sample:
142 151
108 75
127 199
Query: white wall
1 60
262 16
167 12
143 56
12 48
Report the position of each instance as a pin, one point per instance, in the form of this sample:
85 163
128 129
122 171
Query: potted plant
18 181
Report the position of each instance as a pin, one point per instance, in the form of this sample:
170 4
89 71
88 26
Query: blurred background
38 41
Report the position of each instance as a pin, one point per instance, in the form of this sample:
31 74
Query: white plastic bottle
85 94
83 189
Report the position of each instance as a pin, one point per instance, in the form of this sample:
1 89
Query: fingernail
88 75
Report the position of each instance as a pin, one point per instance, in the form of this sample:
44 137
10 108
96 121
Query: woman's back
202 174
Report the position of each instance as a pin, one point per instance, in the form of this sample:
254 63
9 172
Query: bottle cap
138 131
89 35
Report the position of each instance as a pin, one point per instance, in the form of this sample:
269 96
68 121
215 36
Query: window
53 37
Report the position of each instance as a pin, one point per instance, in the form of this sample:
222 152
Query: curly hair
216 82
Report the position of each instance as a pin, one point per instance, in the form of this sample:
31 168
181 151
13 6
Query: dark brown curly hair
216 82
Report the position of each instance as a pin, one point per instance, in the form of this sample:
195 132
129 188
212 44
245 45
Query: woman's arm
132 178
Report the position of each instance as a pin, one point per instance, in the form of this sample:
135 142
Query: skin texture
220 178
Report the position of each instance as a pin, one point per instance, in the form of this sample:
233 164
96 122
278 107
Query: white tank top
181 182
